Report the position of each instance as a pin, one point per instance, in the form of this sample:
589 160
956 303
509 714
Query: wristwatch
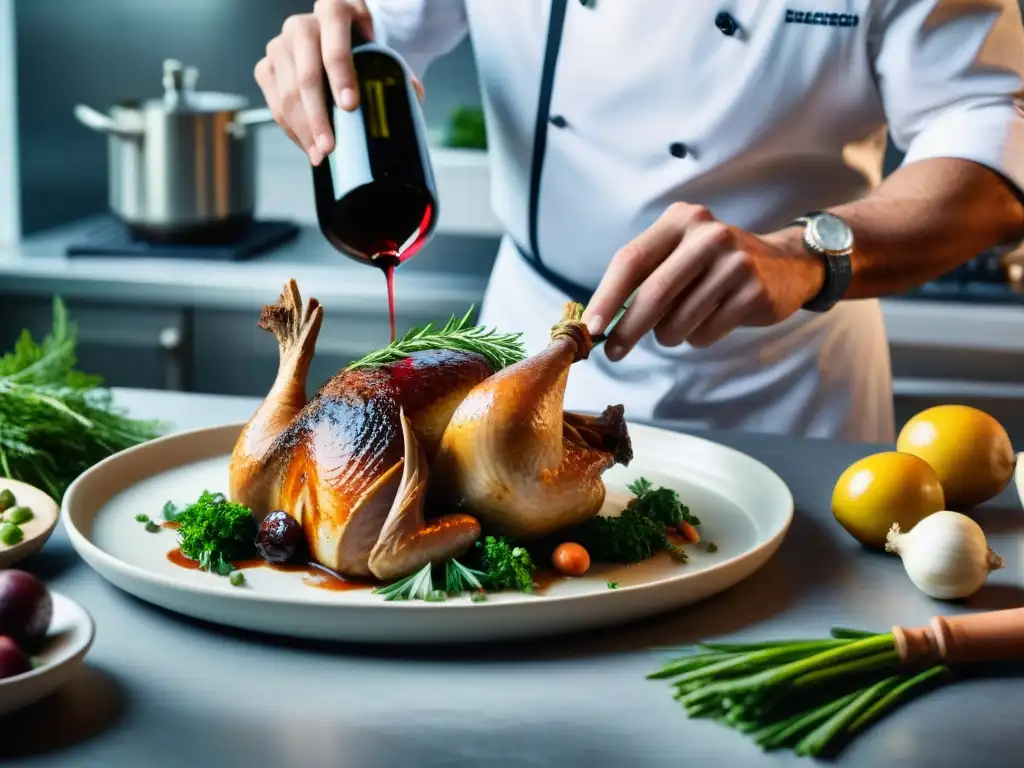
829 238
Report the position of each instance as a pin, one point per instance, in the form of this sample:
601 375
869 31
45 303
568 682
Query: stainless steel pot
181 167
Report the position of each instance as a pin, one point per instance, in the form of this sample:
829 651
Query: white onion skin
946 555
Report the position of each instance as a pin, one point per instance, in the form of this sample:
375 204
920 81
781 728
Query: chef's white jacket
601 113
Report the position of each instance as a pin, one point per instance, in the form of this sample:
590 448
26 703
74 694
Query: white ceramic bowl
37 530
67 642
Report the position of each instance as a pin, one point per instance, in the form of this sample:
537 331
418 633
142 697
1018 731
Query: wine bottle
376 200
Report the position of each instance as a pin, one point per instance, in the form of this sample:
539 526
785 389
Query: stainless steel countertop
39 266
162 690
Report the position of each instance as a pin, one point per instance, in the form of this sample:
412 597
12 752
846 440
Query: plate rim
76 656
80 541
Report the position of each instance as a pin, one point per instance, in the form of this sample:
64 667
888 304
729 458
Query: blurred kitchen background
191 323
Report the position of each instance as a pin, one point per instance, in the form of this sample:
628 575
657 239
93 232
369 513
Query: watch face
831 233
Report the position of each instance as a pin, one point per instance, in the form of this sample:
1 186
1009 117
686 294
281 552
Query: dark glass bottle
375 195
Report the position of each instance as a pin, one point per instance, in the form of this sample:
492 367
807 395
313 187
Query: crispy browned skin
511 458
336 463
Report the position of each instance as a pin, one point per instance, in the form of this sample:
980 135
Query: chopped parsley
505 565
613 585
215 531
641 530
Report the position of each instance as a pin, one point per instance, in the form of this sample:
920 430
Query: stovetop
105 236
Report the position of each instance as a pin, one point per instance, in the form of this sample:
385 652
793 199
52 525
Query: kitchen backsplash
99 51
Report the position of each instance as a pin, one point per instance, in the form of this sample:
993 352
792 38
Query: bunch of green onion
810 696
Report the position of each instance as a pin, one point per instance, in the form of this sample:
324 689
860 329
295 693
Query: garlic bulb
946 555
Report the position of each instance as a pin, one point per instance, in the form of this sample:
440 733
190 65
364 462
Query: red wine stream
389 275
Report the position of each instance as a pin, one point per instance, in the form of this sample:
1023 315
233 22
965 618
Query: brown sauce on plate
313 575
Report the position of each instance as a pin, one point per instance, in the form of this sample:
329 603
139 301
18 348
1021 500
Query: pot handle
249 117
92 118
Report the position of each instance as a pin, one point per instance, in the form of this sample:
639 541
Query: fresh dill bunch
56 421
215 531
458 334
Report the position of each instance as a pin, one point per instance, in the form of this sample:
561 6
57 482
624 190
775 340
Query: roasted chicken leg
510 456
350 464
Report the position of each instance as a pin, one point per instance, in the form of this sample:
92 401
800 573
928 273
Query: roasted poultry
356 463
519 463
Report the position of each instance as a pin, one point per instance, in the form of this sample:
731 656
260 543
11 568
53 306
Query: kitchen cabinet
129 346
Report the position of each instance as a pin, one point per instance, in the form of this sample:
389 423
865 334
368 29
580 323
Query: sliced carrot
689 532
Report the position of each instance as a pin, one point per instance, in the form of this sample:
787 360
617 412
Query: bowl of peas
28 517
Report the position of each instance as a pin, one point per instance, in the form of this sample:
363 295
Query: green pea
18 515
237 578
142 517
7 499
10 534
152 527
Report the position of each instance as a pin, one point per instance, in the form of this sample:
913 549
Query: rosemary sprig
415 586
500 349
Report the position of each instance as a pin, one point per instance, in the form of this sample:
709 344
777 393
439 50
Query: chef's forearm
926 219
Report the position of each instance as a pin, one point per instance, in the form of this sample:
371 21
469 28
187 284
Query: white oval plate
744 507
37 530
67 641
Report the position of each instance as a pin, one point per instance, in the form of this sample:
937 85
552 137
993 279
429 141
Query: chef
719 162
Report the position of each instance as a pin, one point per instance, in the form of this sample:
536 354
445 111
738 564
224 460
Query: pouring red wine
376 201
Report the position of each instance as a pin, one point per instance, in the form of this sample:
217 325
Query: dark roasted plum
26 607
13 660
279 538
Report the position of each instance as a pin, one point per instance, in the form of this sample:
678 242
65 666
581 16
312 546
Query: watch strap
838 269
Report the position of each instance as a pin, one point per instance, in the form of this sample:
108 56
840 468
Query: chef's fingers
694 257
265 79
729 316
302 33
694 306
336 18
288 92
635 261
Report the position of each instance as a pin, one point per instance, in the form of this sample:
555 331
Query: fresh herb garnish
711 547
661 504
142 517
640 530
152 527
415 586
215 531
458 578
613 585
55 421
505 565
170 512
500 349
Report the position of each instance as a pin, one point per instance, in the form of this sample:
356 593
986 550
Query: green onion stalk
813 696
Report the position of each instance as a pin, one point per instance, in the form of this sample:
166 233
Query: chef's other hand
291 74
700 279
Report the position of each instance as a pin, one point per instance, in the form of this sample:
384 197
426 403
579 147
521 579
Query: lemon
883 489
968 449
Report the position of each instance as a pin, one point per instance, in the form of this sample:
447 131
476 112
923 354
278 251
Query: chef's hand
700 279
291 74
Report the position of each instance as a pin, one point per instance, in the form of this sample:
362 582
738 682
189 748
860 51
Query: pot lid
180 94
